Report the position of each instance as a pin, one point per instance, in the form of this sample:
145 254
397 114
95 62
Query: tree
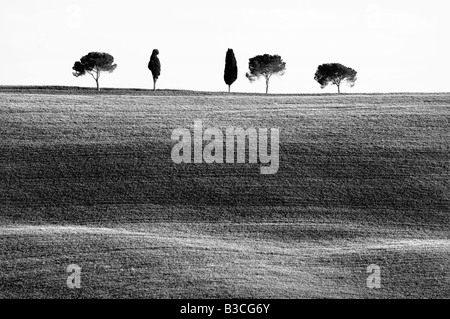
265 66
155 67
336 74
231 69
94 64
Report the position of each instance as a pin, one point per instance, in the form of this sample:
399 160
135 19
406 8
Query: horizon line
109 89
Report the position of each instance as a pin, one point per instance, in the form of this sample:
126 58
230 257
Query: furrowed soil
88 179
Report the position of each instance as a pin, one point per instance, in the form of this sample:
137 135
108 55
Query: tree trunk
154 85
339 89
98 78
229 88
267 85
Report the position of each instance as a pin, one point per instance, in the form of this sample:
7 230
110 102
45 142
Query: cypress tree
231 69
155 67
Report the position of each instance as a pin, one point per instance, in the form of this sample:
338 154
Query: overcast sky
395 45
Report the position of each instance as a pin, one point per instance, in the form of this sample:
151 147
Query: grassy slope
87 179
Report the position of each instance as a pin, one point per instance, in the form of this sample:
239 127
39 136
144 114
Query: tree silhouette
155 67
94 64
265 66
231 69
336 74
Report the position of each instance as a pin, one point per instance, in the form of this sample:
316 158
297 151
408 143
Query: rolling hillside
88 179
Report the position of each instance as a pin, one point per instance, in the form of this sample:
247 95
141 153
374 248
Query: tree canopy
94 64
231 69
265 66
155 67
336 74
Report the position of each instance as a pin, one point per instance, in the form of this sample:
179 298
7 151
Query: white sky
395 45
